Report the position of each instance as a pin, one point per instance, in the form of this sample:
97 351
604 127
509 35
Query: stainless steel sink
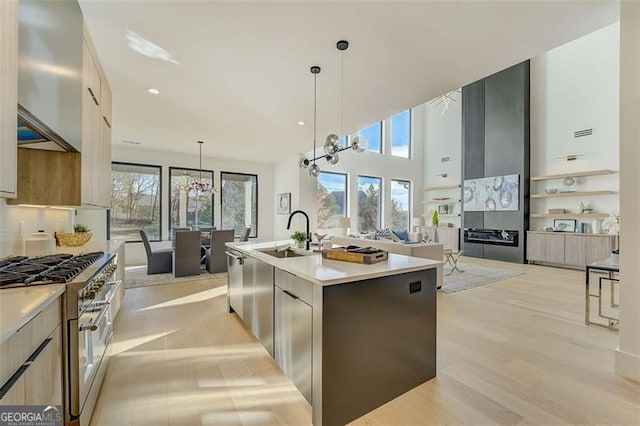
281 254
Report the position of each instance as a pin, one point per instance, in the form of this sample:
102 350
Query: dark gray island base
378 341
350 337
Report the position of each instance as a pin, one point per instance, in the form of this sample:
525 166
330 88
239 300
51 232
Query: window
369 203
401 134
400 202
332 198
186 209
239 201
373 135
136 197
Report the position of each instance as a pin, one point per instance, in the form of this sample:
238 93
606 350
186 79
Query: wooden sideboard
568 249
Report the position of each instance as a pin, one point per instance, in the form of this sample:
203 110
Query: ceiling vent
583 133
132 142
445 159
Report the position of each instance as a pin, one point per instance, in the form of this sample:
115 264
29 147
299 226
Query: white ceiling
243 80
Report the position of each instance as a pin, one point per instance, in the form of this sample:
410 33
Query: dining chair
216 258
158 260
245 234
186 256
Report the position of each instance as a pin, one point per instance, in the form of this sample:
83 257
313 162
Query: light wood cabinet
536 247
31 361
574 250
598 248
568 249
554 248
96 132
43 378
8 97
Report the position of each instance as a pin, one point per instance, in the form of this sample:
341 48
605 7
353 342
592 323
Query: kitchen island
351 337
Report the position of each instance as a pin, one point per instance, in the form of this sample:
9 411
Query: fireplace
491 236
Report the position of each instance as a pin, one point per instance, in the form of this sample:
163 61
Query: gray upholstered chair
158 260
216 257
186 256
173 234
245 234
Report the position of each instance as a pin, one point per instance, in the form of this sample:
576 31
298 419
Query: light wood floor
512 352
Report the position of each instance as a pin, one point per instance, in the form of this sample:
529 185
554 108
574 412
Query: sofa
434 251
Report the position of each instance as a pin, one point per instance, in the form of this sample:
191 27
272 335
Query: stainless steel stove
87 317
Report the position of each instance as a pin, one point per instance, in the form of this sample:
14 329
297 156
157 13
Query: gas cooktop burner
7 278
55 268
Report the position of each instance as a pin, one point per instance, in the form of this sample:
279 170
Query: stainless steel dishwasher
258 300
235 261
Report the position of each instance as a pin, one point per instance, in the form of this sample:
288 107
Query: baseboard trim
628 365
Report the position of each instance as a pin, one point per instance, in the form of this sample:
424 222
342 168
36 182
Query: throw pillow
403 235
384 234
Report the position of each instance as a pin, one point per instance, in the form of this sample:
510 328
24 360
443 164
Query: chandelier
331 145
197 187
445 100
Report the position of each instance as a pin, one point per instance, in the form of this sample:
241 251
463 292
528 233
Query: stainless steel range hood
50 74
33 133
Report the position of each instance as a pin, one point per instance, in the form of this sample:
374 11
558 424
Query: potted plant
435 220
299 237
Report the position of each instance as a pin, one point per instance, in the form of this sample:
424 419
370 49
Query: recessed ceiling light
301 123
153 91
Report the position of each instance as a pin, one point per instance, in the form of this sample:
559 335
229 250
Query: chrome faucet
307 218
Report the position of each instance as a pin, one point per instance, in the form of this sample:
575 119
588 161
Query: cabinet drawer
43 378
295 285
15 350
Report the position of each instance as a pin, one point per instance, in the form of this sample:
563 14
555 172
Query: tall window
188 209
373 135
239 201
136 197
369 203
332 198
401 134
400 202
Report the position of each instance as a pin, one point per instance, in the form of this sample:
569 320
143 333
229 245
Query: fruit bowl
73 239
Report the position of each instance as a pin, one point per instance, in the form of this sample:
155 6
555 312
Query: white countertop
329 272
107 246
19 305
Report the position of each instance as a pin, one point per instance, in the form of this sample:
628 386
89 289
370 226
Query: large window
369 203
189 208
136 197
239 201
400 202
401 134
332 198
373 135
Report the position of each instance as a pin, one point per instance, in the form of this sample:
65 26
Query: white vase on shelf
596 226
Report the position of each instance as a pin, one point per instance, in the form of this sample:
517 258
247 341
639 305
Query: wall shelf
574 175
449 215
572 194
447 201
569 215
442 188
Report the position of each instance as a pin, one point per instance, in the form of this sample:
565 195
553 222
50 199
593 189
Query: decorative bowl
73 239
551 190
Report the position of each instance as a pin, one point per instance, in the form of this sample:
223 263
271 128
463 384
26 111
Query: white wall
289 175
628 353
574 87
135 251
34 218
443 139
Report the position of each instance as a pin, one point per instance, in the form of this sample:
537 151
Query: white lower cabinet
294 336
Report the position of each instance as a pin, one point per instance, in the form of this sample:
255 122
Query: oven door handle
93 325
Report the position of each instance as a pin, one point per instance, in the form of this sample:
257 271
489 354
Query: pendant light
196 187
332 142
331 146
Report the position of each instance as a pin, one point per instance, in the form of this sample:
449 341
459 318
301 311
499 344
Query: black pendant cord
315 107
200 143
342 96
